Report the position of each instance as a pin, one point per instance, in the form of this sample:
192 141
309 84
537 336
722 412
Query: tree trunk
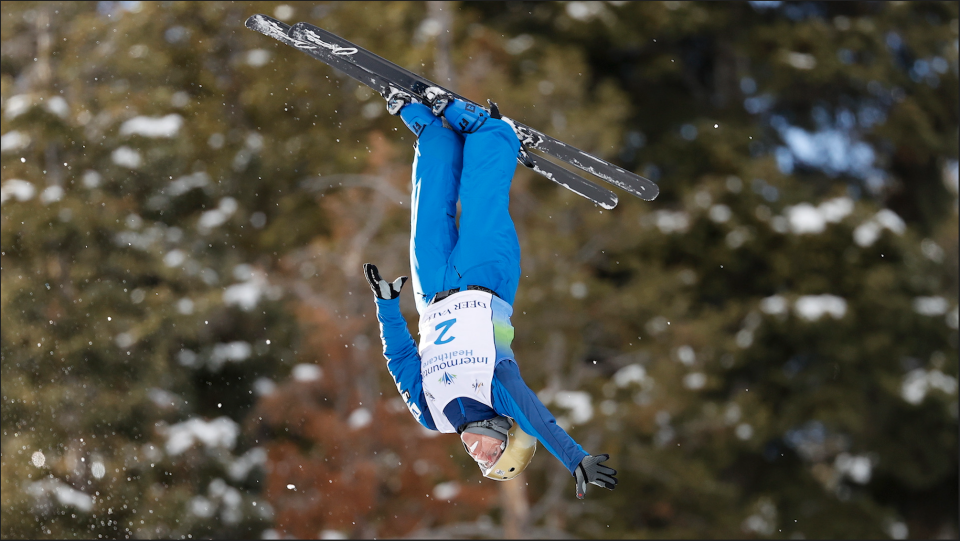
516 508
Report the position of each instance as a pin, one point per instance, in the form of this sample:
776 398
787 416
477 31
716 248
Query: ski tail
571 181
633 183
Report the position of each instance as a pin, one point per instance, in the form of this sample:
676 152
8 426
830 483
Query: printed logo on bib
450 360
477 384
447 378
445 326
462 305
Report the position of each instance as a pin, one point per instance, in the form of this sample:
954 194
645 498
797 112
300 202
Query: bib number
444 328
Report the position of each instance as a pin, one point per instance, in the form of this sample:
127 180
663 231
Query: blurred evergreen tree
152 180
746 416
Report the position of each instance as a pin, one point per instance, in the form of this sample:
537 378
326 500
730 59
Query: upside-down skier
464 378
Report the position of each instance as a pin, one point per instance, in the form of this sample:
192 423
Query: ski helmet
516 447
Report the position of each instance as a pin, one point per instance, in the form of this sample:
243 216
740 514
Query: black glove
590 470
381 288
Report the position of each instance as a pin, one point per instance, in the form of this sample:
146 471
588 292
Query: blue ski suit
477 169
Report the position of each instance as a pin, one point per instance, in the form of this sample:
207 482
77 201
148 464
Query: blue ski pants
476 169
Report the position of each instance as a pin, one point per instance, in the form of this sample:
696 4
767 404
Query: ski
332 55
571 181
332 45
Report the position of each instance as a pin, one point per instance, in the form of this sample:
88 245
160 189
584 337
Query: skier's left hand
381 288
591 470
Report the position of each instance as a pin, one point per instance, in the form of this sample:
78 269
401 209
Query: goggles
486 450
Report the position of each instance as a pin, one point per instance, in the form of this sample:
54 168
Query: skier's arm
403 360
512 397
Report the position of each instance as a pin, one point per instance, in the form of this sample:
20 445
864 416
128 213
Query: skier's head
500 447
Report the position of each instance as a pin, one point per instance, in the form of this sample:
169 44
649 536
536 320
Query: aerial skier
463 379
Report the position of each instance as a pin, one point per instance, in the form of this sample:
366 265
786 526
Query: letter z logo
444 328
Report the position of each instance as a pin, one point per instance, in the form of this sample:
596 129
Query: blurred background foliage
768 350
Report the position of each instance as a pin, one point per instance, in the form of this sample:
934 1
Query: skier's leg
488 252
512 397
437 165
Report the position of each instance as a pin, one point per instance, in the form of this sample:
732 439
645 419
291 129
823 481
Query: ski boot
397 99
464 117
416 117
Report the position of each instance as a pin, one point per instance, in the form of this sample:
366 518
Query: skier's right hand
591 470
381 288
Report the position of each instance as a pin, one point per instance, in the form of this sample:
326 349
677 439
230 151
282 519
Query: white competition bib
461 339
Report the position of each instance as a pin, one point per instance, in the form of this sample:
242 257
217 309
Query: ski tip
268 26
253 21
265 25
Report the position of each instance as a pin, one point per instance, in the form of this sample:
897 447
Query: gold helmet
500 447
